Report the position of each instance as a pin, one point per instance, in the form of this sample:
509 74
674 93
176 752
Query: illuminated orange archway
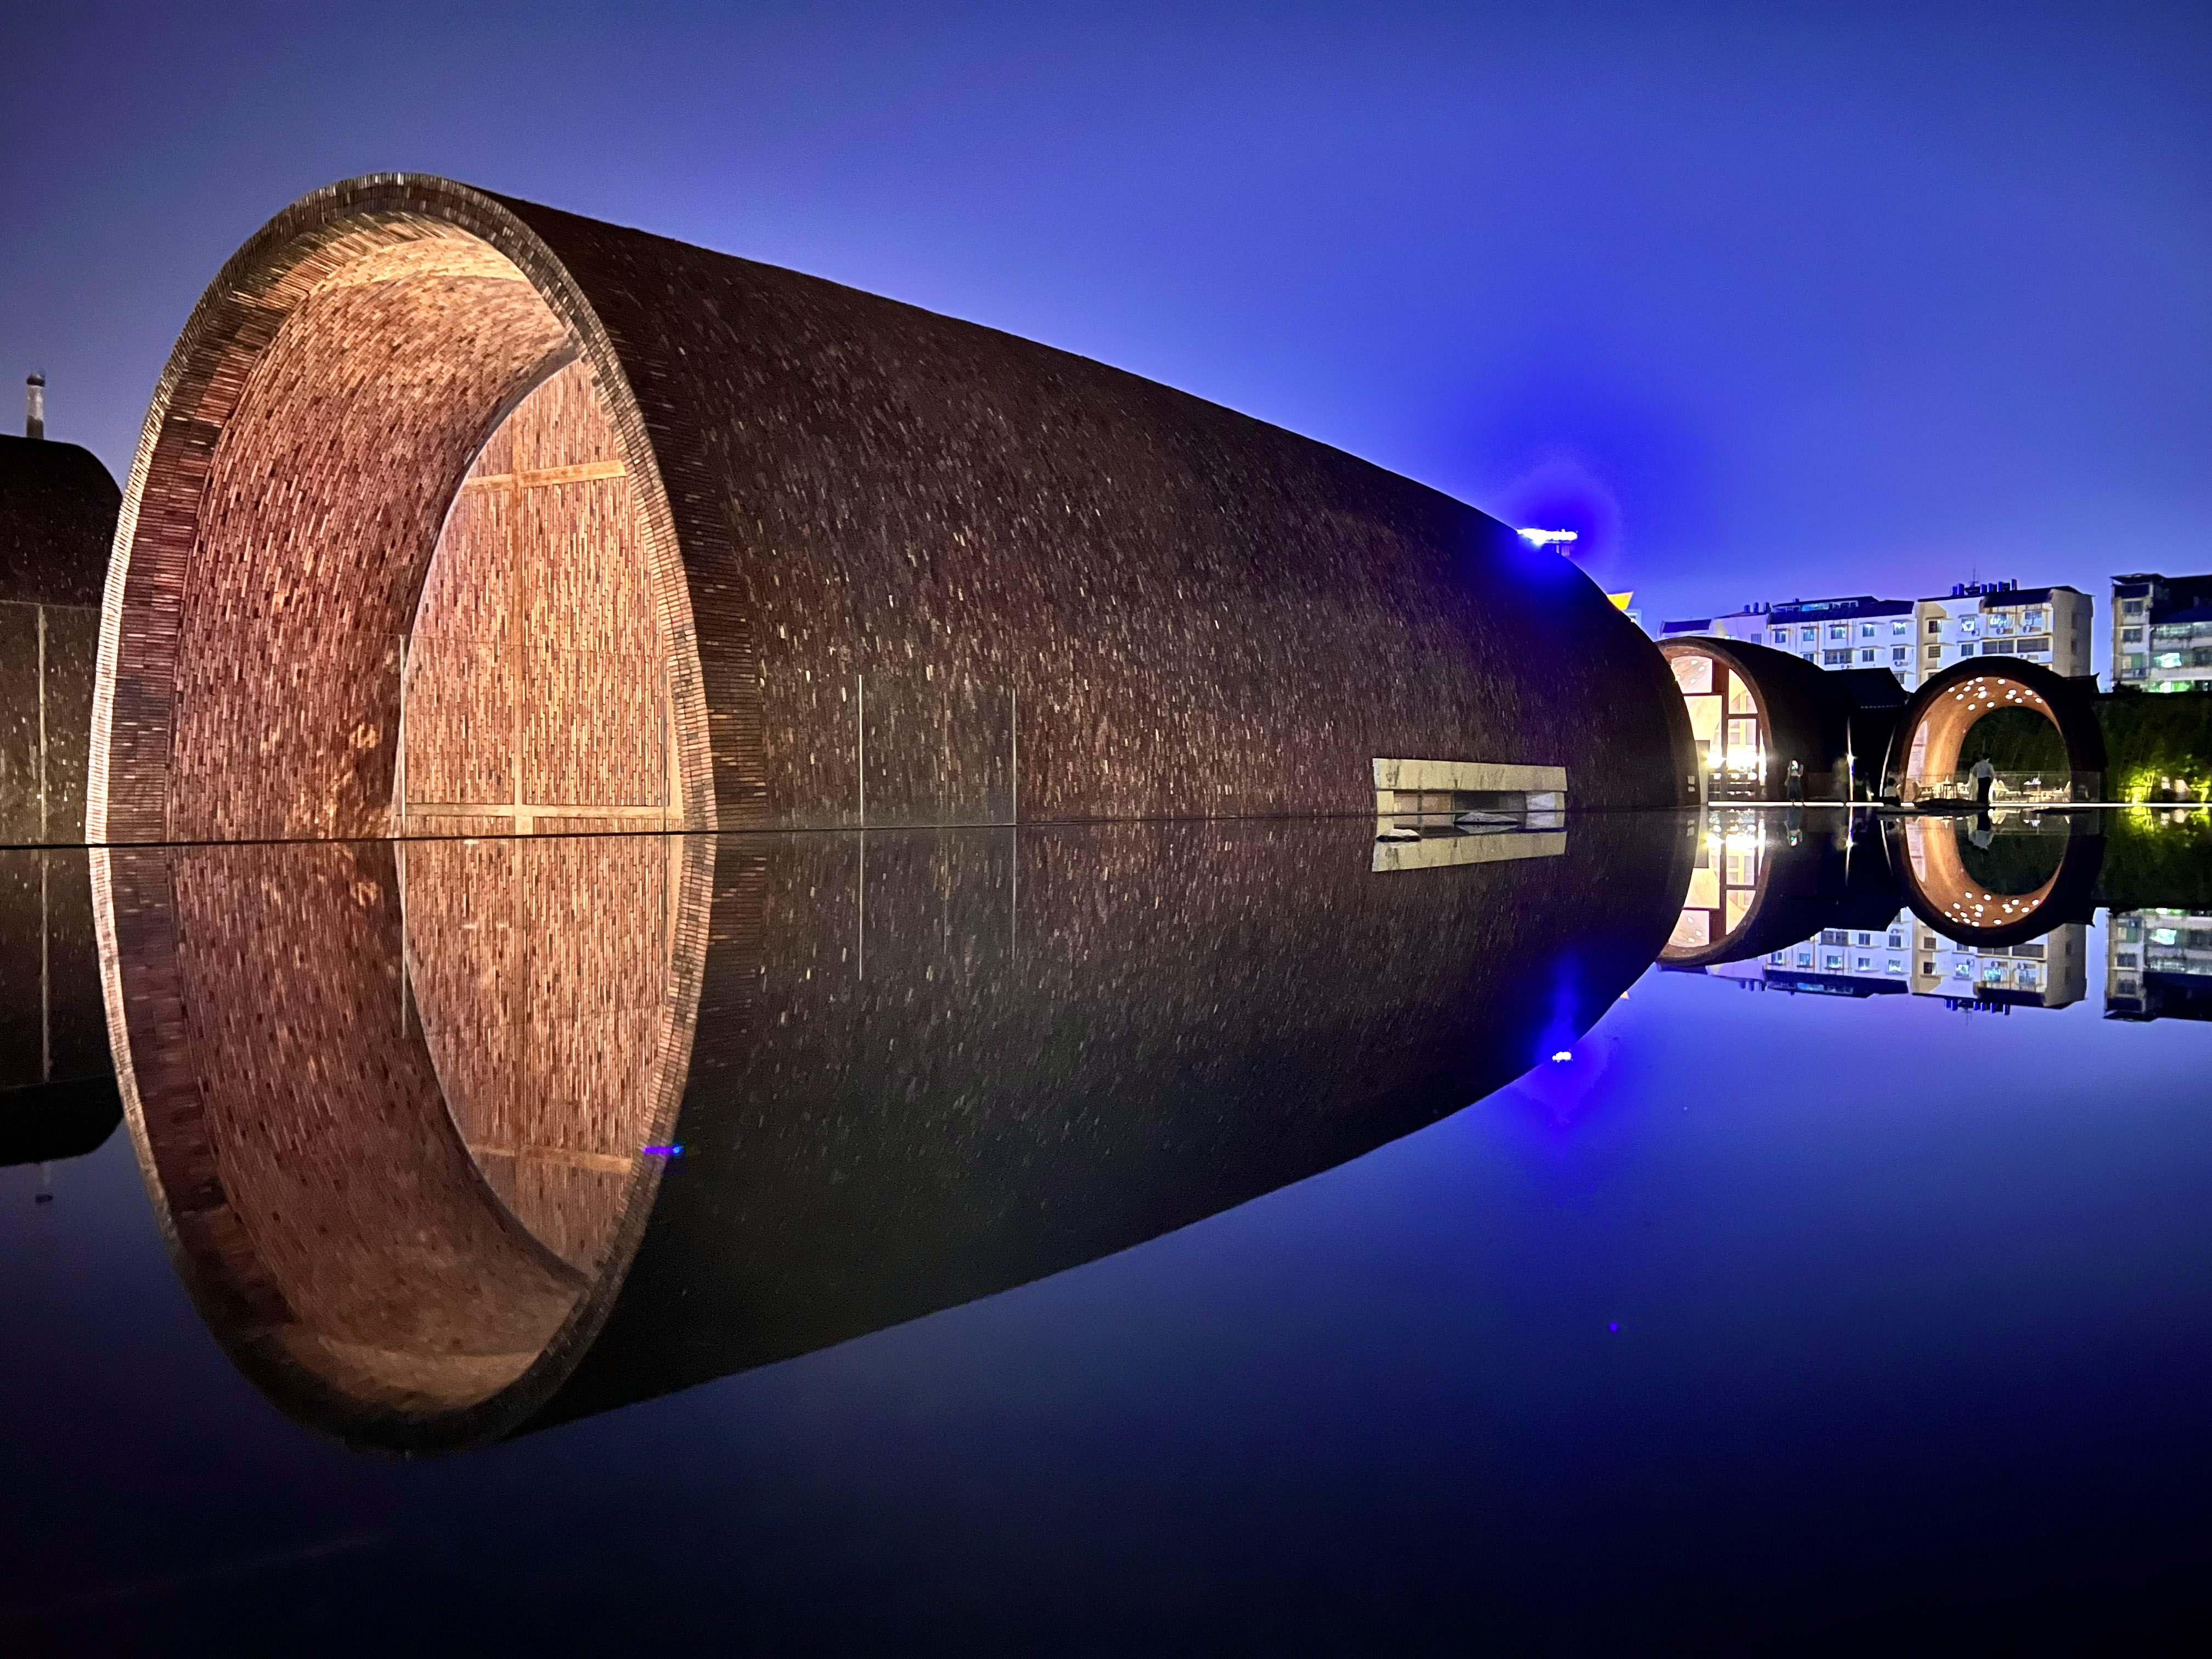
1923 757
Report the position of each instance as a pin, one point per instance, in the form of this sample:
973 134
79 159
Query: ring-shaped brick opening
1932 731
1947 895
395 557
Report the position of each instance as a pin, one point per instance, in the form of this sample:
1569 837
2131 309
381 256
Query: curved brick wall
1003 570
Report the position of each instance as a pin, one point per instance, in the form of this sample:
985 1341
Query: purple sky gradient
1769 300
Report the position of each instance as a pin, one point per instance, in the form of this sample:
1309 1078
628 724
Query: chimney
34 406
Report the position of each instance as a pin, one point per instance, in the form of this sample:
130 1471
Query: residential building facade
1907 956
2051 626
2158 965
2162 632
1914 639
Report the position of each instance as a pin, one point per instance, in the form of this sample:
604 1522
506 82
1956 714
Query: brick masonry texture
1164 607
390 1099
920 1073
536 685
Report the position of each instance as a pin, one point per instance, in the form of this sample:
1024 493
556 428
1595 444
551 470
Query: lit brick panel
536 688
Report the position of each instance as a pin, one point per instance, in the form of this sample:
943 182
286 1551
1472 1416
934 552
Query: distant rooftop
57 509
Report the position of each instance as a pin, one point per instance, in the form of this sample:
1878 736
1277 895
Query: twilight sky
1768 300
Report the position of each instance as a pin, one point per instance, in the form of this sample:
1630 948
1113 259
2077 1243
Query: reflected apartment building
1907 957
2158 965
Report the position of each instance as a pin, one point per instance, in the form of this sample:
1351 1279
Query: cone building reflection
394 1105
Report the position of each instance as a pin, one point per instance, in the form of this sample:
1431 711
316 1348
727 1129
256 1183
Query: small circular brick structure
1754 710
1930 867
1924 753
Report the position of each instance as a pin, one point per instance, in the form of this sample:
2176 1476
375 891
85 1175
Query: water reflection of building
2158 965
903 1070
1824 902
57 1097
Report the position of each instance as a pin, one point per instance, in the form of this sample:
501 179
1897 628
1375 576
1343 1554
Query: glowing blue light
676 1151
1547 538
1564 1055
1613 1324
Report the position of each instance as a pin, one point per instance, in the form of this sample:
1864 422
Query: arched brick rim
417 227
1925 855
132 784
1947 707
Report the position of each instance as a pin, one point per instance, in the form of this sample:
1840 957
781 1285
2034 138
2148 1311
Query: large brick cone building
461 516
624 532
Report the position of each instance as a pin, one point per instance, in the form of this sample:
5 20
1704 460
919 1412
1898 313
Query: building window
1935 627
1896 966
2127 959
1836 659
1927 965
1839 630
1866 964
1968 627
1897 654
1808 635
1934 653
1833 962
2131 637
1804 959
2033 621
1782 636
1866 630
2132 608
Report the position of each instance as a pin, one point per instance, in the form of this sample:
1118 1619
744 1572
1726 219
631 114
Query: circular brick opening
395 558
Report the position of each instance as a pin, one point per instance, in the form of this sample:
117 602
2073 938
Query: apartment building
1907 957
2162 632
2051 626
1915 638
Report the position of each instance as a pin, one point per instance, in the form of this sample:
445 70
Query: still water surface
1772 1230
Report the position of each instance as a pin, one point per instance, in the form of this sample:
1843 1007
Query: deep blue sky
1769 300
